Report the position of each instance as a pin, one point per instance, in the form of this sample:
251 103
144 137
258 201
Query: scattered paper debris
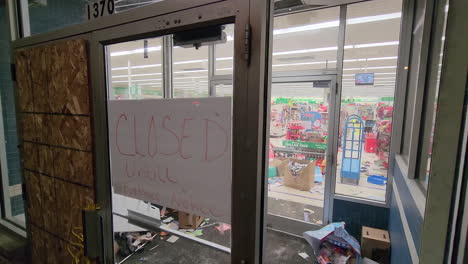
154 247
144 259
168 220
303 255
223 227
196 233
172 239
173 225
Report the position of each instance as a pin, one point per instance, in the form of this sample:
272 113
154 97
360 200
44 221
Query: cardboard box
189 221
372 239
301 180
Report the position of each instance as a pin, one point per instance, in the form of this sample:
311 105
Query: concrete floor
12 247
279 248
289 202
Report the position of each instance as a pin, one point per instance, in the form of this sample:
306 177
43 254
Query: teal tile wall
56 14
9 113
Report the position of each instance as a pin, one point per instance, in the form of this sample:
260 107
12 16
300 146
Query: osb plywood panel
38 250
39 63
43 128
28 127
75 166
34 199
52 250
69 85
71 131
24 85
45 160
29 156
49 204
71 200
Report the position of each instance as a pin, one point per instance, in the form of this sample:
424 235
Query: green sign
303 144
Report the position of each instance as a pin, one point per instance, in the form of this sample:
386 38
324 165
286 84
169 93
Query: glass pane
49 15
224 53
306 41
298 146
190 72
425 176
369 71
136 71
9 155
224 90
169 151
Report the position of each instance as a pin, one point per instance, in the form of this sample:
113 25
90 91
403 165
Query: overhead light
188 62
369 45
376 73
142 80
358 46
336 23
299 63
135 51
370 68
329 24
136 75
304 51
191 77
367 19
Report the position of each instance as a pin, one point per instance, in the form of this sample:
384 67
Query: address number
100 8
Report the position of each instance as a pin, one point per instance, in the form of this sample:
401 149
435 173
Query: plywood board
24 84
34 199
43 128
29 156
45 160
71 131
69 84
38 250
49 204
39 63
71 200
28 127
75 166
52 250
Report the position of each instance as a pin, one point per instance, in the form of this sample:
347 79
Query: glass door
299 147
170 151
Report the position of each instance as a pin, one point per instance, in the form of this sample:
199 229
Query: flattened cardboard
304 181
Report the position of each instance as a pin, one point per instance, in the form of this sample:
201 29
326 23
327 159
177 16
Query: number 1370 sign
99 8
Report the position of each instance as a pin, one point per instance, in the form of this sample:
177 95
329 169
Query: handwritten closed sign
174 152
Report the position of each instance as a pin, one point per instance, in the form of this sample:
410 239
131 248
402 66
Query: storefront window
48 15
136 70
9 153
368 85
435 82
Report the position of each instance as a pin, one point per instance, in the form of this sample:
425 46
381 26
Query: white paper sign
173 152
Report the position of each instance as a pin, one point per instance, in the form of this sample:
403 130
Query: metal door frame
252 44
245 169
283 223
